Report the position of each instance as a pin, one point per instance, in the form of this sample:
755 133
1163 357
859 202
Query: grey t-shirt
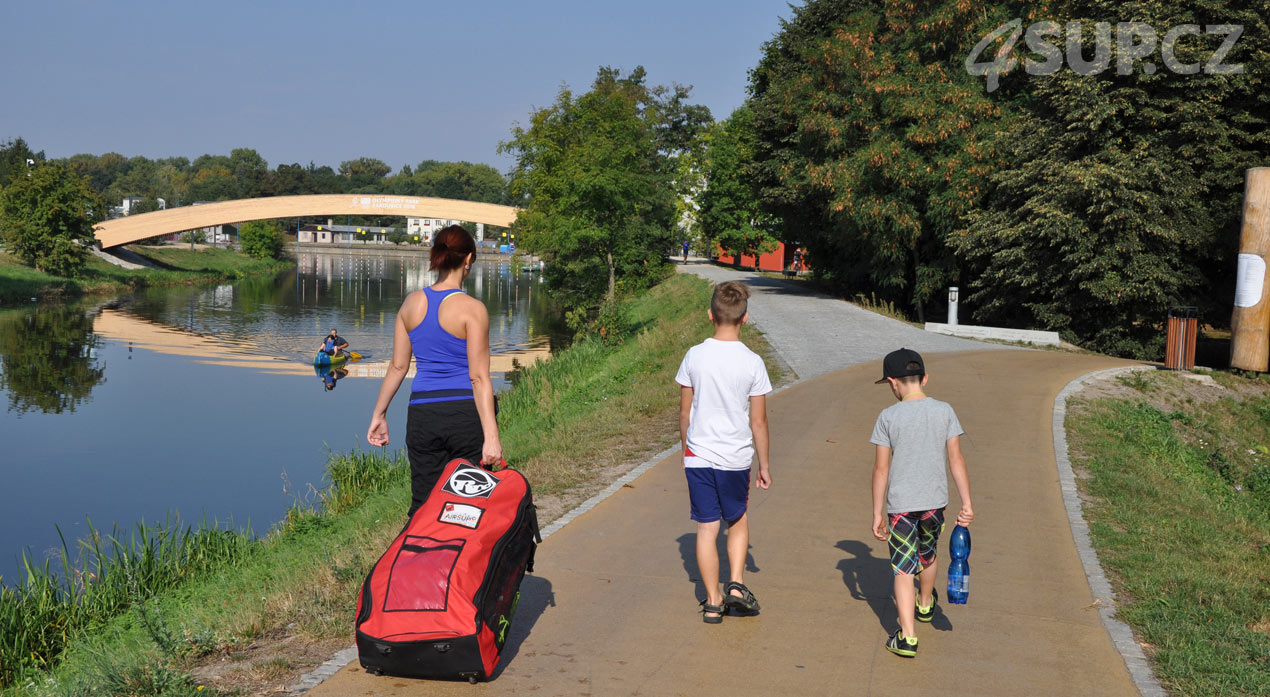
917 433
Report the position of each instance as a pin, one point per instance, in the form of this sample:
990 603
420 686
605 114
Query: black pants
437 433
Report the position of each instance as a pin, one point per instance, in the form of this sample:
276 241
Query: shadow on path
869 578
688 550
535 597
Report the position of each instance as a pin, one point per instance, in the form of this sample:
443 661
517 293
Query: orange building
781 259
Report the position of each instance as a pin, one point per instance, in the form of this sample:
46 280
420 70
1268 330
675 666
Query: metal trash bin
1183 330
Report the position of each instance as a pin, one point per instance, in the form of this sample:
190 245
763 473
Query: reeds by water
105 575
109 574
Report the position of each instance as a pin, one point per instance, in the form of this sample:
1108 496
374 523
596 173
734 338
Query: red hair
450 248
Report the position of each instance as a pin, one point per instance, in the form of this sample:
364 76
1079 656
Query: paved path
612 608
816 333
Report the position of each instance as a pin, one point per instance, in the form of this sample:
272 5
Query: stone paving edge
1104 597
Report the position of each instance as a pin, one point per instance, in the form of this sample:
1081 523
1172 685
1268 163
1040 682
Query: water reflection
48 358
330 377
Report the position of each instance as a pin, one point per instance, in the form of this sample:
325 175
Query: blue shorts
717 494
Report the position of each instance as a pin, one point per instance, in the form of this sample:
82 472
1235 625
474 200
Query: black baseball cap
896 363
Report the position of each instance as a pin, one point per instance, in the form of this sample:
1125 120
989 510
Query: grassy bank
286 604
178 265
1178 500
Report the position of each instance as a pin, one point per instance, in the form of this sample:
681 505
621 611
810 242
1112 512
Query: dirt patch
1167 390
268 666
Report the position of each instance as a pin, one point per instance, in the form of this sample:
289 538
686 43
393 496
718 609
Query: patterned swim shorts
913 539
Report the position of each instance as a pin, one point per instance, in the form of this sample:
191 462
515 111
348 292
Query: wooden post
1250 323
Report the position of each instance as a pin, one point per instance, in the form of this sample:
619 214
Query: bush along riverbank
174 265
267 615
1177 494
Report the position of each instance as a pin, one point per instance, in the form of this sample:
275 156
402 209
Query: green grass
587 406
177 266
1179 510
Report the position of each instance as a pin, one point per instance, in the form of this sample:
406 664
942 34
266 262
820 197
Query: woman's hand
377 434
491 452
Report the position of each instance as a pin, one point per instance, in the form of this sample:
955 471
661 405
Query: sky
332 81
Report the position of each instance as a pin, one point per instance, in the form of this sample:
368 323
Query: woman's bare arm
377 434
477 325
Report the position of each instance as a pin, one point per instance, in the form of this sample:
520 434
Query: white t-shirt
723 376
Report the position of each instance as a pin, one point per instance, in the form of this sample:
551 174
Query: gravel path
816 333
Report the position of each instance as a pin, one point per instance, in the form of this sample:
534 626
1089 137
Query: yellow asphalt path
612 609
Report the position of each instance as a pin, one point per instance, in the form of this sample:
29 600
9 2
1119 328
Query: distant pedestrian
915 441
446 333
685 246
722 426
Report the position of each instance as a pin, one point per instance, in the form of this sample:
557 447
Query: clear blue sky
331 81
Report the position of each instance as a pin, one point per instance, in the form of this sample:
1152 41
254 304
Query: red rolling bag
439 602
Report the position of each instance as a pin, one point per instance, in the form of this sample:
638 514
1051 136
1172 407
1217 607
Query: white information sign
1249 280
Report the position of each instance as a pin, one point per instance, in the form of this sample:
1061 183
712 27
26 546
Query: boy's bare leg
904 599
738 548
708 561
926 579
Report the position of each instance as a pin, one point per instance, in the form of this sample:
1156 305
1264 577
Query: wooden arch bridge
145 225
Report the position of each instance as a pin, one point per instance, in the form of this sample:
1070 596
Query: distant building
426 228
129 202
327 233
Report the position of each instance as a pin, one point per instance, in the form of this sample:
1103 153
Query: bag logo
471 482
461 514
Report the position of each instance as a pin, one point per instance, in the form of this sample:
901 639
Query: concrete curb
970 331
1104 598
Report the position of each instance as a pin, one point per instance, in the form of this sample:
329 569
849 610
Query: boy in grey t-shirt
914 440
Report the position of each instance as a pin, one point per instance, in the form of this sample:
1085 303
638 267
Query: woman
451 410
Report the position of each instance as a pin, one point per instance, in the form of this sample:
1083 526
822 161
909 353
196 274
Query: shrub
261 239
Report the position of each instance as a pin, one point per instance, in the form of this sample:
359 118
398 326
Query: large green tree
47 218
730 215
1120 196
871 138
596 174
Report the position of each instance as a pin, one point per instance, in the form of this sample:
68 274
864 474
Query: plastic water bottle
959 567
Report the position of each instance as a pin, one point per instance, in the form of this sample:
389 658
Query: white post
952 305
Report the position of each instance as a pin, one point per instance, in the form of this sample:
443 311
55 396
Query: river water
202 402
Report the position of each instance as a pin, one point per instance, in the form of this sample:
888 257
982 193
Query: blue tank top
441 370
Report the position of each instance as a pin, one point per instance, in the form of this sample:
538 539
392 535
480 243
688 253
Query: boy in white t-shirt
722 425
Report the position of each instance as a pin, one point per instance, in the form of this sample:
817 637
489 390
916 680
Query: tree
364 172
145 205
261 239
292 179
212 183
730 214
250 170
15 158
47 218
871 138
1120 196
598 179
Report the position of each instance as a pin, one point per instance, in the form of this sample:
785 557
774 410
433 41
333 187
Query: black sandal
745 601
717 619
